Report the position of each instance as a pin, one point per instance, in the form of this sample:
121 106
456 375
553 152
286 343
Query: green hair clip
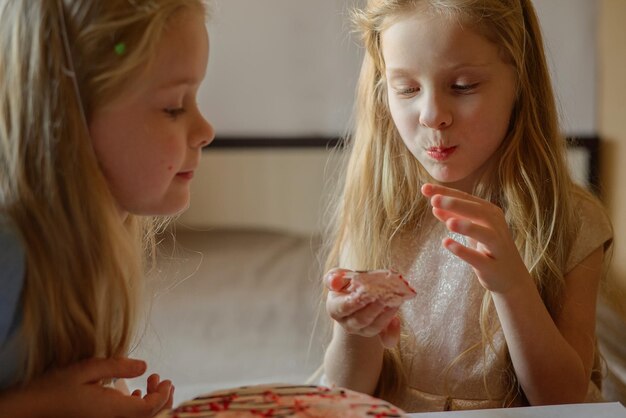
120 48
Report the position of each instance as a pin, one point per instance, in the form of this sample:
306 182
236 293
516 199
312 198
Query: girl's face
148 140
450 95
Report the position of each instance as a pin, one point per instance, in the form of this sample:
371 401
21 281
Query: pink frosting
283 401
385 286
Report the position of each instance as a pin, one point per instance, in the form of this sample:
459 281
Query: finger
159 398
137 407
391 335
382 321
335 280
363 319
472 230
153 383
136 393
443 215
338 283
480 212
339 306
170 401
475 258
429 190
97 369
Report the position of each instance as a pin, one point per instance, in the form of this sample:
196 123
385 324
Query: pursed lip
187 175
440 153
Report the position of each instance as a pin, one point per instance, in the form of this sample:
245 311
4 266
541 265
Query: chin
445 179
446 174
175 210
163 209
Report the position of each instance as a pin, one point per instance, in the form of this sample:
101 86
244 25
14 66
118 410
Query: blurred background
284 70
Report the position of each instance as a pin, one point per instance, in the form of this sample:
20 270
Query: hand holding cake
366 302
387 287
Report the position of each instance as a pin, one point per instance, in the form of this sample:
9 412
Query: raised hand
357 316
491 252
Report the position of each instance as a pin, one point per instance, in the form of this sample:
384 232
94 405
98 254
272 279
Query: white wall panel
280 68
289 67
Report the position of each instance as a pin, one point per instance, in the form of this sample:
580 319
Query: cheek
165 156
109 147
489 119
402 117
172 149
117 134
486 135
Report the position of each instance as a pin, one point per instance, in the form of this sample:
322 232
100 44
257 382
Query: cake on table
285 401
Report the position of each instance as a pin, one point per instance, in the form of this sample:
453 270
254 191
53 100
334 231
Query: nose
435 112
203 133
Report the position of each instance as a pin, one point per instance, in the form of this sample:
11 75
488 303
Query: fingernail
140 365
345 285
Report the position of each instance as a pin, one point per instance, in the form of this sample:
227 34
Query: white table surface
588 410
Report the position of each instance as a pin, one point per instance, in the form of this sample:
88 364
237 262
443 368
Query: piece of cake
284 401
384 286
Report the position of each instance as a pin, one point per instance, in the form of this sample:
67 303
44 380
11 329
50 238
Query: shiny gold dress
441 324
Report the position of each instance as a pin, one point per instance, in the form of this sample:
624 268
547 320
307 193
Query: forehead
420 38
180 57
182 52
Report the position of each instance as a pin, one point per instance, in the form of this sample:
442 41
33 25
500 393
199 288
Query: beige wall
270 188
612 123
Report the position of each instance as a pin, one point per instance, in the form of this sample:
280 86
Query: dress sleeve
11 279
594 231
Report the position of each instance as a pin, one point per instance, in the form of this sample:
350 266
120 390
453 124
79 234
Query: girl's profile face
148 140
450 95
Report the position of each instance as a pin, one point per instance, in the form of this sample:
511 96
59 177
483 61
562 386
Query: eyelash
464 88
460 88
175 112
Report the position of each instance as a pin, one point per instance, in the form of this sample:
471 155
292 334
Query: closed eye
174 112
407 91
464 88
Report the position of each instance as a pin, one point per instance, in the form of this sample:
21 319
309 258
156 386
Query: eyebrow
398 71
408 72
462 65
182 81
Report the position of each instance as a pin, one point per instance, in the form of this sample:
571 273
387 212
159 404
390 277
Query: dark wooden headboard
590 145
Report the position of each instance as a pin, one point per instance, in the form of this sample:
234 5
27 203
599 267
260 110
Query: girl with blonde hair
457 178
99 134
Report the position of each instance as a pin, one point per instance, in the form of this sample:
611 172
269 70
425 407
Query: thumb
390 336
97 369
336 280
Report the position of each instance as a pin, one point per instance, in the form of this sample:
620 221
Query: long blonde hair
381 194
84 263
